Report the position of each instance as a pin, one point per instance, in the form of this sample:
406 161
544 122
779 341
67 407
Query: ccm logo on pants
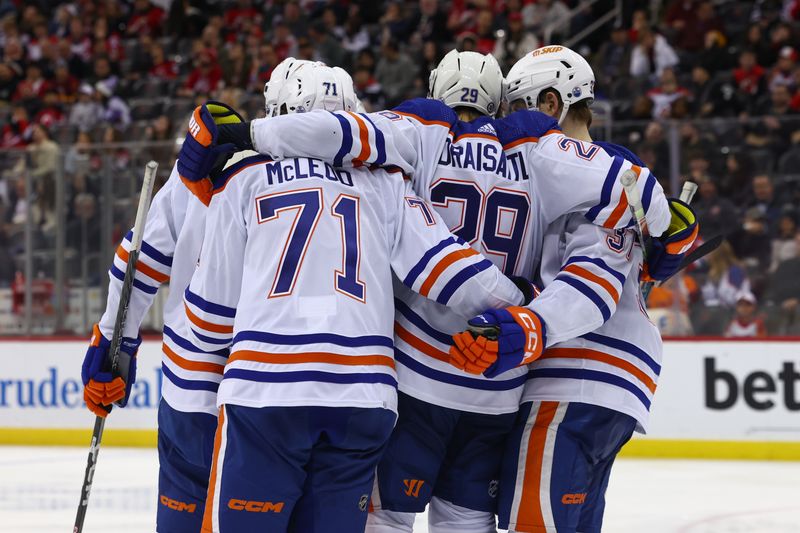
573 499
254 507
175 505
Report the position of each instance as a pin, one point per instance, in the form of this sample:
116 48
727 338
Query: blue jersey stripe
647 193
189 384
308 375
608 188
151 252
120 275
414 273
347 140
462 381
209 307
590 375
186 345
420 322
210 340
589 293
597 262
314 338
459 279
624 346
380 143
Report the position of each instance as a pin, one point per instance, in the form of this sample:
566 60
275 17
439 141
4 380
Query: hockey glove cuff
499 340
667 252
101 388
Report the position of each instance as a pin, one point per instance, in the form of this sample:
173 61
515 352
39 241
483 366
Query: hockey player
187 416
308 395
594 383
497 186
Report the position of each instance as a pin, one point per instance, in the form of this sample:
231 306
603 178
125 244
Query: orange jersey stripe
212 480
476 136
530 512
148 271
618 211
208 326
424 121
186 364
591 276
363 135
442 265
311 357
419 344
529 139
594 355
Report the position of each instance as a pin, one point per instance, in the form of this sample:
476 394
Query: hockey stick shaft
116 338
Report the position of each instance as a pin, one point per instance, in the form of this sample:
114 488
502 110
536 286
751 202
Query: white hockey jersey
295 276
498 183
170 248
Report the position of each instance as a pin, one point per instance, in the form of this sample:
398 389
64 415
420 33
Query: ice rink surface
39 489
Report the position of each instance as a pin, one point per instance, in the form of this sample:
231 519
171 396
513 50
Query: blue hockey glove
499 340
200 153
666 252
100 387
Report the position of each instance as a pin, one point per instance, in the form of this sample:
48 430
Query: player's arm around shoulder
430 260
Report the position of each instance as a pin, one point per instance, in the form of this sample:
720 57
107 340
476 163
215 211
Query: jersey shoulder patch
428 110
524 124
617 150
234 166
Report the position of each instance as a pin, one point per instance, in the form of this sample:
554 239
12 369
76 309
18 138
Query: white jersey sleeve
431 261
212 295
582 292
164 220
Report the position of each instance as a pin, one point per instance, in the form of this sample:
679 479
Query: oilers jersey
498 184
170 248
602 348
295 276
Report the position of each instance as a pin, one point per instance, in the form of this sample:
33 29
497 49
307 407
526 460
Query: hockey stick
116 338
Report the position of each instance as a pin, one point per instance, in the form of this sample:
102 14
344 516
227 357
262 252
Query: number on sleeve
418 203
444 192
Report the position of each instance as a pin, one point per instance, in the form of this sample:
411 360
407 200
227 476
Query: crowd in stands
76 75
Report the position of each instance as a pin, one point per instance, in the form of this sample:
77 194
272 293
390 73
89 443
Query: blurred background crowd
701 90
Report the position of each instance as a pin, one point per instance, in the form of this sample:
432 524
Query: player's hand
100 388
200 152
666 252
499 340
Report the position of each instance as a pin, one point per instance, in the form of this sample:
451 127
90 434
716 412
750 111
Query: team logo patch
176 505
362 502
255 506
573 499
493 484
487 128
490 108
576 92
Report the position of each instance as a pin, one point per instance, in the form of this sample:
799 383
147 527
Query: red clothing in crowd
235 16
31 89
13 134
749 81
203 81
148 21
166 70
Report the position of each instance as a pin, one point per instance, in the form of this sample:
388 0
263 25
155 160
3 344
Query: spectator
716 54
784 292
666 94
145 18
668 305
236 16
783 71
355 37
368 90
751 242
430 22
43 211
15 132
715 215
763 199
749 75
745 322
548 18
86 112
65 85
9 78
205 78
484 34
236 66
784 246
515 43
759 44
392 73
328 49
613 59
50 113
31 90
652 55
294 19
162 67
115 111
726 278
45 155
283 42
693 29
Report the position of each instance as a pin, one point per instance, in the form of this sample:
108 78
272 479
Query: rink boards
716 399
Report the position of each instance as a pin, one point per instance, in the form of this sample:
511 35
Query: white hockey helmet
551 67
317 86
279 75
468 79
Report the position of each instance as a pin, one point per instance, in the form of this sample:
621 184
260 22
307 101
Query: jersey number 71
306 206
